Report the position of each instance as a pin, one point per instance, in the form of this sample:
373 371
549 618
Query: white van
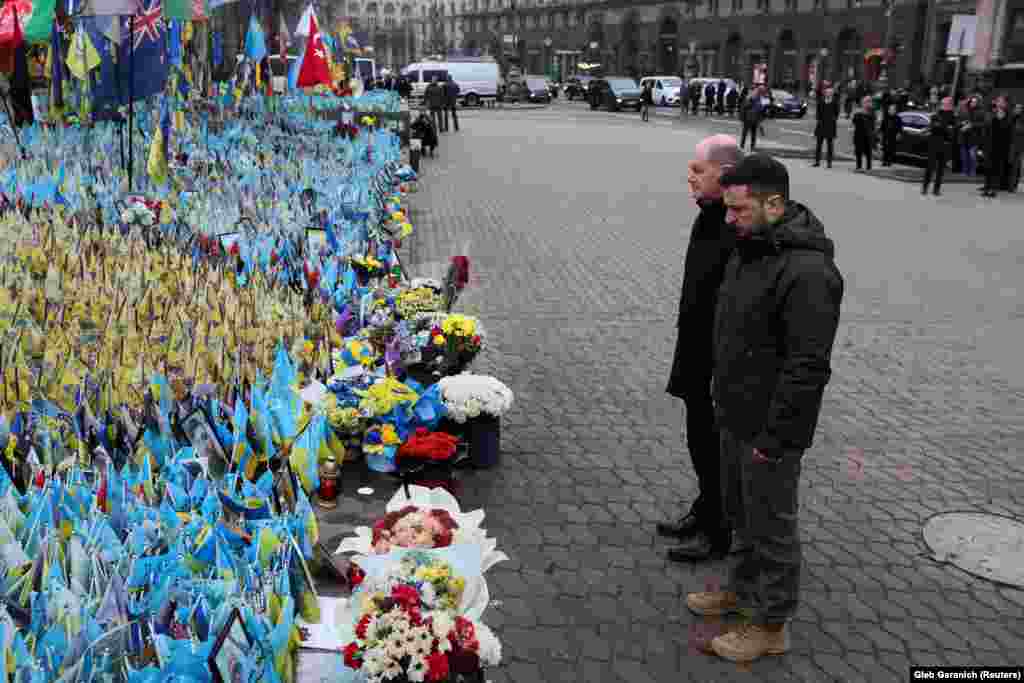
476 80
664 89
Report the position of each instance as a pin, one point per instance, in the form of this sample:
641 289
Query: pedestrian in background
434 96
892 126
827 115
731 100
941 136
751 112
720 98
1017 164
684 98
972 135
451 94
709 98
864 124
710 246
695 92
775 325
646 100
997 149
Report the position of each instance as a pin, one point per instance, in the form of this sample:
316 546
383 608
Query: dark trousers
831 142
749 129
937 167
444 113
438 119
996 173
703 442
694 106
761 502
888 147
455 117
862 152
709 105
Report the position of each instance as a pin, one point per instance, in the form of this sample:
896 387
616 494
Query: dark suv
615 93
576 87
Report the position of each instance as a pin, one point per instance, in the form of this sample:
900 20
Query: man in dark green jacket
775 323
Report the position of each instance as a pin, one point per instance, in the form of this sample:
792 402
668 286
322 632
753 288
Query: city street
576 223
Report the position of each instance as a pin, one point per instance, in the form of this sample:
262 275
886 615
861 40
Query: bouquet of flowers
429 446
452 342
409 627
418 300
467 396
413 527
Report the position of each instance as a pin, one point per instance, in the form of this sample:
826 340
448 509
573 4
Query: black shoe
816 164
937 192
924 190
683 528
701 548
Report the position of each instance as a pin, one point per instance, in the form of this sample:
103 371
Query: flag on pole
141 53
255 43
302 28
178 9
283 39
82 56
56 63
314 69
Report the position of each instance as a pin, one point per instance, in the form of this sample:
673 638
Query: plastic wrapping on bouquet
484 436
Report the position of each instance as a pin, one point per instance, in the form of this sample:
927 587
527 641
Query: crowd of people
759 266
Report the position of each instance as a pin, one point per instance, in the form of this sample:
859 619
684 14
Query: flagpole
131 100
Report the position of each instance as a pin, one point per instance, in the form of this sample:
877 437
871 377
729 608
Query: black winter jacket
775 323
711 242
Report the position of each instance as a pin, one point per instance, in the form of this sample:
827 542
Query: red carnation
415 617
476 340
437 667
406 596
362 626
353 657
355 576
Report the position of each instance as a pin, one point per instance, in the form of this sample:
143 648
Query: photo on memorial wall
202 437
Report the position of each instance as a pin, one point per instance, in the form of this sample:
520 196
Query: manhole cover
988 546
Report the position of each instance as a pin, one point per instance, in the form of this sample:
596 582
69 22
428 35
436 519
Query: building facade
794 42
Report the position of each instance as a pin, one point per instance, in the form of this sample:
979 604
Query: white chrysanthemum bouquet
467 396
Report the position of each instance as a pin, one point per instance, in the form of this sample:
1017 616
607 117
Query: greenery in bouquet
411 302
468 396
408 627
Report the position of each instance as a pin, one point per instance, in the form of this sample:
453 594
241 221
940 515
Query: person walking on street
941 135
695 92
972 135
434 96
731 100
709 98
684 98
892 125
646 100
864 133
451 93
711 244
751 112
720 98
1017 160
997 149
827 114
775 325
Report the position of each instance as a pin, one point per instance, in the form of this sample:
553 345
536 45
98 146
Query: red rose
353 657
443 540
406 596
355 576
437 667
362 625
415 617
476 340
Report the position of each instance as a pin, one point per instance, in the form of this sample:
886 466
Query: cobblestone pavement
576 226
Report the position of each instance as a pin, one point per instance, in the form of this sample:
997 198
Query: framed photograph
201 435
230 659
286 486
316 238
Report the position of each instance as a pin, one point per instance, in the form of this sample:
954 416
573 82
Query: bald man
704 529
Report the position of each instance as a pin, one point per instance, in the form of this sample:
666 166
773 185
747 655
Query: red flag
314 69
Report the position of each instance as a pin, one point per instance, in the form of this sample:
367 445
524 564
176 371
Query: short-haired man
775 324
711 243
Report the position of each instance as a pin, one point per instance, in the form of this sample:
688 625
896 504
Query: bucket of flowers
429 454
453 342
478 402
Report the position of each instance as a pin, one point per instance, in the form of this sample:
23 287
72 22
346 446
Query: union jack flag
148 23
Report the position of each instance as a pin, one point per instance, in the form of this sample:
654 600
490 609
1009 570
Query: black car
615 93
785 104
536 90
576 88
912 141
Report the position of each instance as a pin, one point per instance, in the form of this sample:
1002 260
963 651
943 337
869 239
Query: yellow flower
439 340
388 436
459 325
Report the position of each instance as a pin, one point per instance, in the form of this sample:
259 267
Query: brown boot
713 604
750 642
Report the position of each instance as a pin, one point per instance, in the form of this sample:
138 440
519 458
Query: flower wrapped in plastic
467 396
425 445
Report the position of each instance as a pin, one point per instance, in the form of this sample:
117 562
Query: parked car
576 87
702 82
554 88
615 93
912 141
536 90
664 89
784 103
477 80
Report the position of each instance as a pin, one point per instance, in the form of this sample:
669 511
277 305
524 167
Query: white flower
442 626
468 395
392 671
473 407
490 646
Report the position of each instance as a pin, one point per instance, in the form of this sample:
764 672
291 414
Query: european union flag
138 67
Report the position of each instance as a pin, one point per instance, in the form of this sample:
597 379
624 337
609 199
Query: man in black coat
434 97
711 243
709 98
827 114
751 114
720 98
941 134
998 145
451 96
775 324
